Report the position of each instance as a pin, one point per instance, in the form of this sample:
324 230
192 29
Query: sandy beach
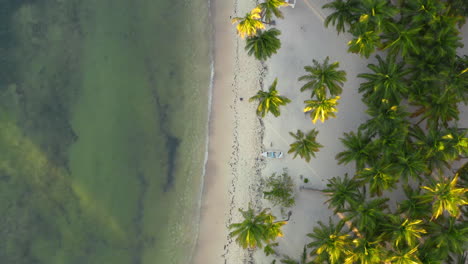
237 136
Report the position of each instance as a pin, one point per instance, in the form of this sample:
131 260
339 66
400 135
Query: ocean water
103 123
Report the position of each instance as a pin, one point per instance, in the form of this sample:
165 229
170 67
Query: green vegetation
269 101
305 145
410 140
248 25
280 190
264 44
256 229
260 43
321 109
395 147
323 79
270 8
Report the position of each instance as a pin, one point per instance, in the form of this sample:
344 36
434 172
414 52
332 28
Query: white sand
237 137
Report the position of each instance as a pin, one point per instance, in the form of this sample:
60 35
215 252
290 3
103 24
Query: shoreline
232 170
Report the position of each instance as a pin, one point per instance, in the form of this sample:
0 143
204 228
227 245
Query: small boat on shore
291 3
273 154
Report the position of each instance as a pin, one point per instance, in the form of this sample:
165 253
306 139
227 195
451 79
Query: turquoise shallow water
103 112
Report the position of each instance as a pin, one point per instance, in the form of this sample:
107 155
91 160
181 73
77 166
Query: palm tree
401 40
368 215
305 145
447 236
321 109
376 13
256 229
343 13
329 243
409 163
358 148
428 255
250 24
365 43
323 77
385 119
405 256
445 196
421 12
302 260
380 176
342 191
403 231
456 142
386 82
270 8
435 148
366 251
413 207
437 108
264 44
269 101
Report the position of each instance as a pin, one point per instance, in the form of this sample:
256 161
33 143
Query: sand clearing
237 136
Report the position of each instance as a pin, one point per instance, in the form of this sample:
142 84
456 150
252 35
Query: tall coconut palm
437 108
445 196
270 8
323 77
409 163
448 236
264 44
249 25
342 191
380 176
321 109
256 229
358 148
435 149
368 215
401 40
404 256
385 119
386 82
376 13
456 142
269 101
366 41
366 251
343 14
403 231
428 255
329 242
305 145
413 207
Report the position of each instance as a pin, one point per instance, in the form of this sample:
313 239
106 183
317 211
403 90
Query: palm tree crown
256 229
264 44
387 82
305 145
445 197
323 77
342 191
329 242
358 148
343 13
321 109
250 24
269 101
270 8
